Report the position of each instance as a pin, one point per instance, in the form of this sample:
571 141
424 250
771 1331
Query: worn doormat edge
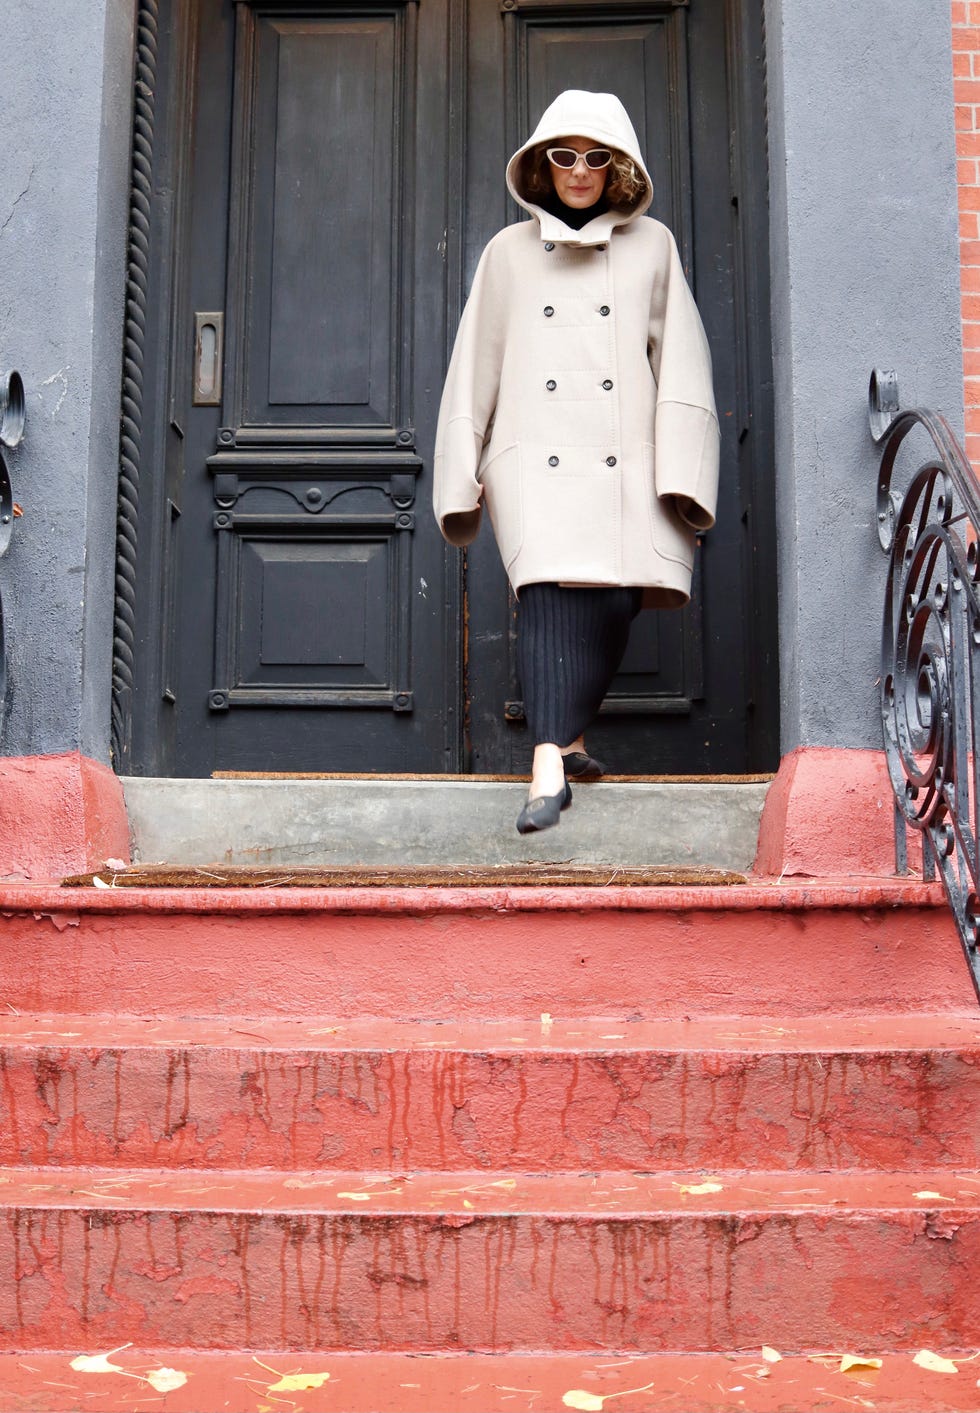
366 876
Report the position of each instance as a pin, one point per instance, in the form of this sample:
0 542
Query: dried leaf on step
295 1383
932 1197
771 1356
98 1363
934 1362
699 1189
858 1364
163 1380
579 1398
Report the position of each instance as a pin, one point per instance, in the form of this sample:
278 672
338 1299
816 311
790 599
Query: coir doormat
366 876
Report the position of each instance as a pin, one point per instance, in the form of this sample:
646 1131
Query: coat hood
579 113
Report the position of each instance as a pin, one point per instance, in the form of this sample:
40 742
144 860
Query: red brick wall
966 93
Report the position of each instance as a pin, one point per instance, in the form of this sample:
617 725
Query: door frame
156 359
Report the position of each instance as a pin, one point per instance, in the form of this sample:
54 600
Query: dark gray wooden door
696 690
341 168
313 599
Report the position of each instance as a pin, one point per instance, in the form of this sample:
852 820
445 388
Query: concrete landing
429 822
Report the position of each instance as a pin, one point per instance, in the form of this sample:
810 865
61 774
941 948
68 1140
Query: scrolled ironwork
131 440
930 670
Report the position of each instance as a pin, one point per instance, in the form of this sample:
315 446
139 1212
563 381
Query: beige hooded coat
578 403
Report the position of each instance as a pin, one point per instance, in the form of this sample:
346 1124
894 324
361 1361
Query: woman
579 407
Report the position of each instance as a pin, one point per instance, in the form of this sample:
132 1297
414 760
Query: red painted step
475 1383
827 1092
438 1262
624 953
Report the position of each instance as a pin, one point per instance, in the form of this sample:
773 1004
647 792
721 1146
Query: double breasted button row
551 385
553 461
549 309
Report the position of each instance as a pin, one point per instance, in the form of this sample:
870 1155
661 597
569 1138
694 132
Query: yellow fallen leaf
467 1202
935 1362
771 1356
854 1363
932 1197
98 1363
356 1196
699 1189
579 1398
163 1380
295 1383
592 1402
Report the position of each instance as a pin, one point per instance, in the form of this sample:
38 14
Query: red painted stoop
461 1151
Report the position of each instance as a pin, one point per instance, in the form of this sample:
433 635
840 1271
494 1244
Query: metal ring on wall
13 408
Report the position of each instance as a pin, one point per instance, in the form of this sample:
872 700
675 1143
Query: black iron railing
930 649
12 414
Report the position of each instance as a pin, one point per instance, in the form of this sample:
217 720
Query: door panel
316 273
342 170
305 485
656 716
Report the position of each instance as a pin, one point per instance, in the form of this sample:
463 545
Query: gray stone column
865 266
64 186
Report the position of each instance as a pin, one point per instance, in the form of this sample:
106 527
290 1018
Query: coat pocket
671 537
503 493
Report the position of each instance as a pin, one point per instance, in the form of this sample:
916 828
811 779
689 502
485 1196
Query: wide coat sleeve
469 399
687 439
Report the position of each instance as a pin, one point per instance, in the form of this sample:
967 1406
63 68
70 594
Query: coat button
549 245
548 311
604 310
552 461
607 383
610 461
551 384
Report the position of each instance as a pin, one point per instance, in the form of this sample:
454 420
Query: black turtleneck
575 217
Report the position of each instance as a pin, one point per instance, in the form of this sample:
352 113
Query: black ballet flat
544 812
579 766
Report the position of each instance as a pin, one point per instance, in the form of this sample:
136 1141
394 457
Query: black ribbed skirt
570 643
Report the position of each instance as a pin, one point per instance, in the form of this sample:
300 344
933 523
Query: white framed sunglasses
595 159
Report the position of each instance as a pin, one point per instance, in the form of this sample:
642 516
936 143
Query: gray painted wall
64 185
865 262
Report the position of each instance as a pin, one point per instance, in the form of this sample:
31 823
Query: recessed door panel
329 295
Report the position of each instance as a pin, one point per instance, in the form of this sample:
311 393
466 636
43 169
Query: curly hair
624 187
